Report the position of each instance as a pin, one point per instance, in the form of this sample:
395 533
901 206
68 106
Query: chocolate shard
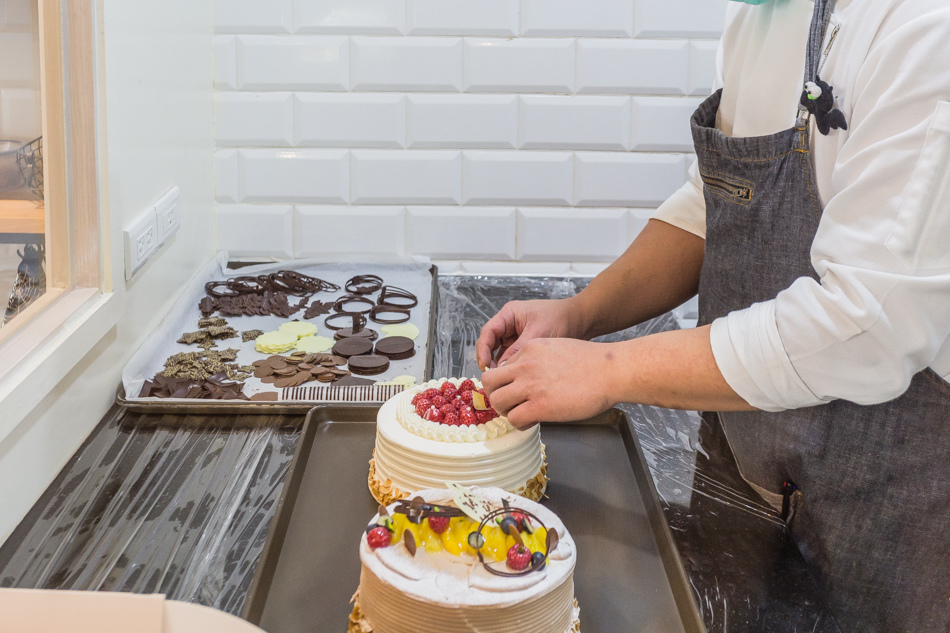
410 542
551 541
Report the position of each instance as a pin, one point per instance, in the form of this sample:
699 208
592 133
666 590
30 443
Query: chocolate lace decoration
340 305
406 298
262 295
364 284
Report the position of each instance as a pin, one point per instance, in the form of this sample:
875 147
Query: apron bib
872 512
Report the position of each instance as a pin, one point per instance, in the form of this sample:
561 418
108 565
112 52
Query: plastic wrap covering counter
746 574
181 509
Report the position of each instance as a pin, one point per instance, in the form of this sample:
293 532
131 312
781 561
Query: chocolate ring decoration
406 298
550 545
339 304
385 309
211 288
357 319
246 285
364 284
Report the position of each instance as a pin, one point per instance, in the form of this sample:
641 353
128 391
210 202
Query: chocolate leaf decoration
410 542
382 511
551 541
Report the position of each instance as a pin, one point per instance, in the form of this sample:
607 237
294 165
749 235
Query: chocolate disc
368 364
396 347
348 333
352 347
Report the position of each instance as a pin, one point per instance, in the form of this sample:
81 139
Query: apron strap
816 37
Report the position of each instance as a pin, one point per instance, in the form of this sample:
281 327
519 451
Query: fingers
525 415
493 334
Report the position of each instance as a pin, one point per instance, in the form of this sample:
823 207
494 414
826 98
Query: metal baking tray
310 567
274 407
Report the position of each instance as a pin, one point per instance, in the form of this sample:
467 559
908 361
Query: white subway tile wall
522 136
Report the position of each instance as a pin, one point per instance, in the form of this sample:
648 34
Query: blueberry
507 524
475 540
537 560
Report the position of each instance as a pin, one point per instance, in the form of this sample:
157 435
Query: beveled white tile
255 119
20 110
530 178
325 231
572 122
19 60
294 175
252 16
225 62
226 176
591 18
518 65
632 66
608 179
240 234
553 269
407 63
447 266
637 221
690 19
362 17
463 17
457 233
588 269
305 62
571 234
702 66
662 123
350 120
463 121
406 177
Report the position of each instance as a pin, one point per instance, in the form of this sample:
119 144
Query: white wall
158 118
19 71
506 130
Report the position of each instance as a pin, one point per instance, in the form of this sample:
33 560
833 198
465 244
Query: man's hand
556 380
519 322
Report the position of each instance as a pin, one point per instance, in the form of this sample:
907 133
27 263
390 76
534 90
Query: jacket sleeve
879 312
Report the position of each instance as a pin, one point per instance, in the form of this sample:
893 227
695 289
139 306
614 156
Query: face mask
752 1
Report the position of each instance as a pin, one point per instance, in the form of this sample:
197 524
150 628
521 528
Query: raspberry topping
431 393
466 385
465 396
519 557
433 415
379 537
438 401
484 417
439 524
451 420
468 418
422 405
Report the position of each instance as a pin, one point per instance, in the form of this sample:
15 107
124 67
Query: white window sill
48 346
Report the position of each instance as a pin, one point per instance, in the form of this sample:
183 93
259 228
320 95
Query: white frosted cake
432 580
425 440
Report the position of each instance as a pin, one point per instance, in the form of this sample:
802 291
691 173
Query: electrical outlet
141 241
168 210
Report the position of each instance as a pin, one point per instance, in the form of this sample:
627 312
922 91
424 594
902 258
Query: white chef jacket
881 310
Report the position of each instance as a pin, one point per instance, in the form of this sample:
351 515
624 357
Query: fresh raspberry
431 393
439 524
447 409
416 398
450 393
519 557
487 400
438 401
451 419
422 406
466 385
494 414
445 386
433 415
379 537
468 418
466 396
484 417
466 407
519 520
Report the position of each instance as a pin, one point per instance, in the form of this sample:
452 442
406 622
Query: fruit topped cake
478 559
446 431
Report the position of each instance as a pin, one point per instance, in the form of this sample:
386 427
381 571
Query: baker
815 228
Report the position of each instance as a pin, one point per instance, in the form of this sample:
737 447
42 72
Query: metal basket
29 160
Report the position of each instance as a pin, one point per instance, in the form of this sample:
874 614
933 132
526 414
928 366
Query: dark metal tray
279 407
310 565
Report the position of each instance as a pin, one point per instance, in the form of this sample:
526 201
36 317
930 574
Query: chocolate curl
516 534
410 542
551 541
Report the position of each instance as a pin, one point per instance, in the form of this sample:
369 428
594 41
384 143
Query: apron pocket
731 188
922 231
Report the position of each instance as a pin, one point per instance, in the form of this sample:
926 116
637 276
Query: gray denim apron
872 511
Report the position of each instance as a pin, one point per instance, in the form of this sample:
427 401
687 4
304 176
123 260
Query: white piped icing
415 424
453 598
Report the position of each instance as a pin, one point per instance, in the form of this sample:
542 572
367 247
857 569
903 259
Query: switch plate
141 241
168 210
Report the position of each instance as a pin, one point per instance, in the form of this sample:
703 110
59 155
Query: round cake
425 440
479 559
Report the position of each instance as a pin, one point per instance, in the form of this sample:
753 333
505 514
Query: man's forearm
658 272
